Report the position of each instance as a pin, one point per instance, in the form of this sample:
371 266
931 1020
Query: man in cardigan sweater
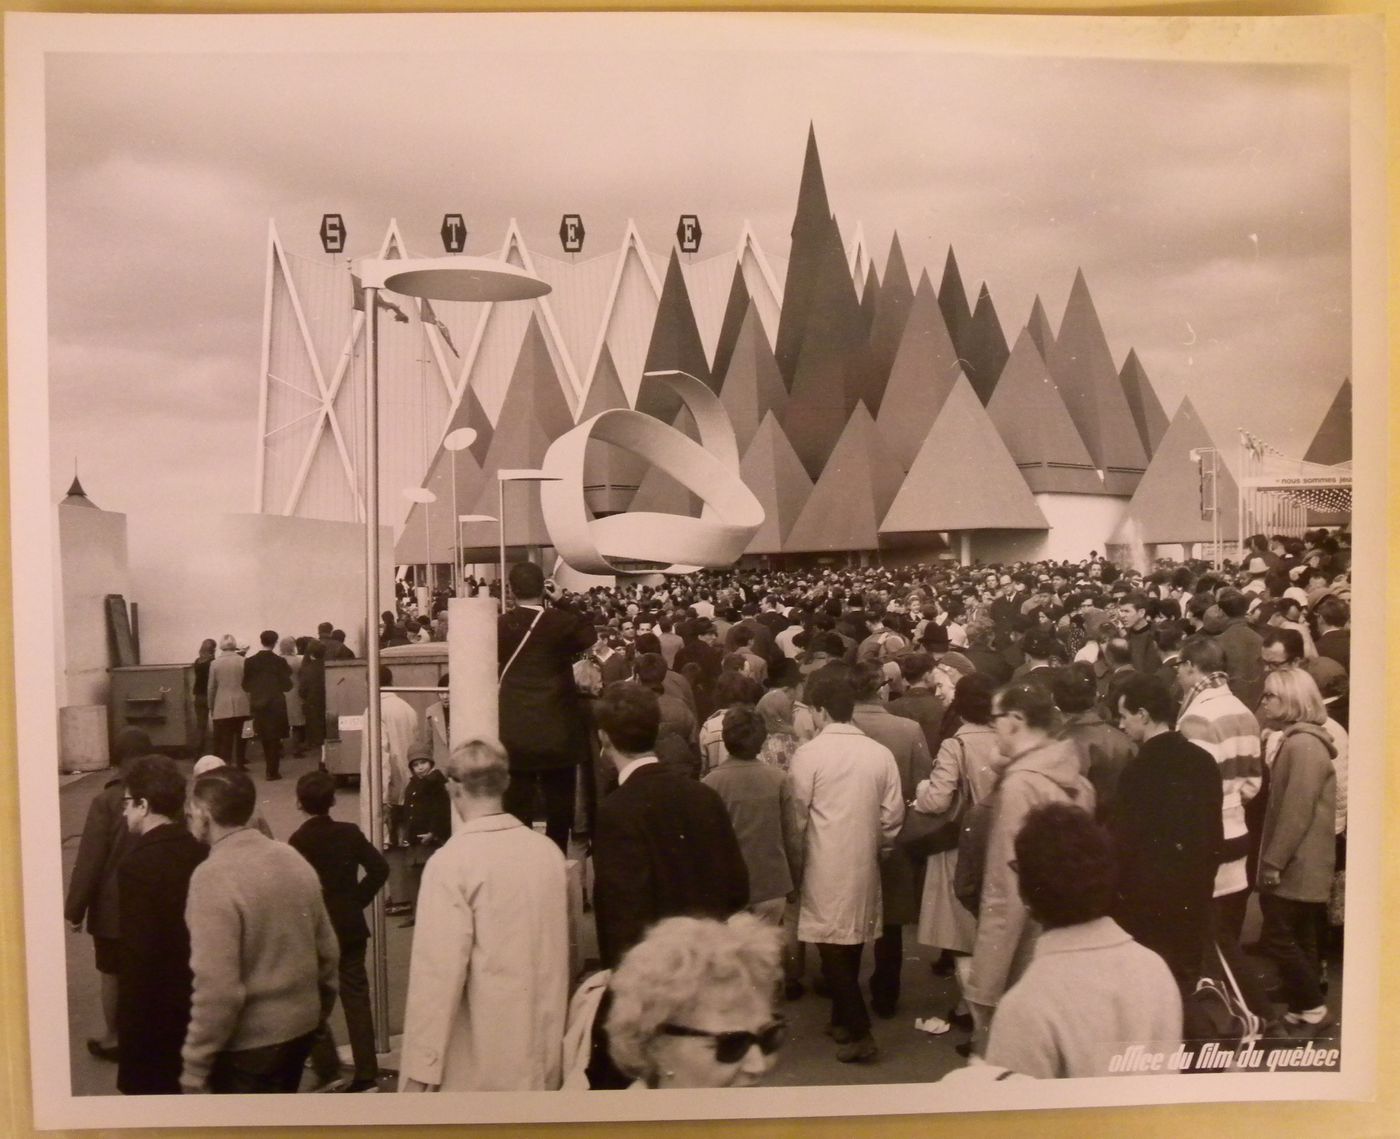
262 949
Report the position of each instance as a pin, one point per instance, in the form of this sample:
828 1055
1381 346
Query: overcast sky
1207 205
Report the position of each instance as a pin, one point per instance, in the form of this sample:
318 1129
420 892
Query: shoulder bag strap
538 614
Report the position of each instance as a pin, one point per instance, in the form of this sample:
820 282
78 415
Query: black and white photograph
563 554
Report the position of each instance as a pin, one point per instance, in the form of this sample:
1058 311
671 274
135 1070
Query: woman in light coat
296 717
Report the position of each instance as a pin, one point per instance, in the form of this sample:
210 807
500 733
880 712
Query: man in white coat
850 810
488 977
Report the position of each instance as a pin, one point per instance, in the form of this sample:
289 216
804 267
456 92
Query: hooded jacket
1300 819
1006 933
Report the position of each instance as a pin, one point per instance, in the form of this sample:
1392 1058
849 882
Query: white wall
92 562
201 575
1078 523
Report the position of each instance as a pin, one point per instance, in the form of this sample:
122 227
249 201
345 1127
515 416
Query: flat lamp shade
419 494
452 278
460 439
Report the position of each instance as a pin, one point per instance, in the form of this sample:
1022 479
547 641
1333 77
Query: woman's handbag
924 835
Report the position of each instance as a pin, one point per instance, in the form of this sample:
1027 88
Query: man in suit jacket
267 678
228 703
901 878
338 852
153 880
664 845
542 715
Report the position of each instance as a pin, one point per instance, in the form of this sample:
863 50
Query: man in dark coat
542 715
92 891
153 1001
338 852
664 845
1166 825
267 678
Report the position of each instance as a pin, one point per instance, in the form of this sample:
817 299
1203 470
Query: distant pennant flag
430 317
384 302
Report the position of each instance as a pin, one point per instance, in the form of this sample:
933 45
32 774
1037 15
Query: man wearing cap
489 974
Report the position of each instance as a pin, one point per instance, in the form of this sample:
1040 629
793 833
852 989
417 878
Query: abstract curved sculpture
731 516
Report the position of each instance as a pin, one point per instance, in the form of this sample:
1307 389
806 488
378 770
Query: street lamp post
458 440
424 497
434 279
473 518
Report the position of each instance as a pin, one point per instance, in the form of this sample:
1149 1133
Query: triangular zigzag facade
856 485
771 469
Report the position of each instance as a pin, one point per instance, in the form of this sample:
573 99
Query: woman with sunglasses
692 1004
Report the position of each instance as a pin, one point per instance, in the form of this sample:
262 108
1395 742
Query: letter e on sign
688 233
571 233
454 233
332 233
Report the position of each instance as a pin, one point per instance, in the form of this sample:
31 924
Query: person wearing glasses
693 1004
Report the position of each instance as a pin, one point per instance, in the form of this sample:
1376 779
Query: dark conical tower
810 228
734 312
675 344
986 349
952 299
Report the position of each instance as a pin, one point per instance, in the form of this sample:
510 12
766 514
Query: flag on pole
430 317
384 303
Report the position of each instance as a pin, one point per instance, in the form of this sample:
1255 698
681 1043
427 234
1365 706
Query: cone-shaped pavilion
1147 410
925 369
952 299
771 469
963 477
734 310
856 486
986 349
753 387
1167 507
1332 443
810 227
1039 326
675 344
1033 422
892 306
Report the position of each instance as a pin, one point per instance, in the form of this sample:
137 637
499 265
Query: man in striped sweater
1215 718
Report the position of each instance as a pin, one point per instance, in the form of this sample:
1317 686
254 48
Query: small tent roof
924 371
771 469
1332 443
854 489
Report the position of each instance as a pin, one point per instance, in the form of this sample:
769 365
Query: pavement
907 1055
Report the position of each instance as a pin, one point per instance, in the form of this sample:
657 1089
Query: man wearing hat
937 644
1256 568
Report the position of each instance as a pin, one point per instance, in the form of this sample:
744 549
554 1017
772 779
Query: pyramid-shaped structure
771 469
830 366
1083 369
892 306
855 487
1038 325
963 477
925 368
952 299
811 226
1332 443
754 387
986 349
869 299
1147 410
734 309
1033 422
675 343
1166 507
611 474
533 415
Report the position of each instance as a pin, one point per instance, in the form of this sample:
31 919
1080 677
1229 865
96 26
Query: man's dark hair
1117 652
229 795
316 792
1169 637
1075 688
1033 701
1334 611
741 635
1042 644
1290 639
972 698
1233 603
1065 864
338 635
1139 601
914 666
630 714
386 676
156 779
830 689
268 638
526 581
1205 652
647 643
323 630
130 743
867 677
784 674
736 688
743 731
1146 692
650 669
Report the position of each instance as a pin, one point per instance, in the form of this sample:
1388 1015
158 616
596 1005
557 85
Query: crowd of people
1068 782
